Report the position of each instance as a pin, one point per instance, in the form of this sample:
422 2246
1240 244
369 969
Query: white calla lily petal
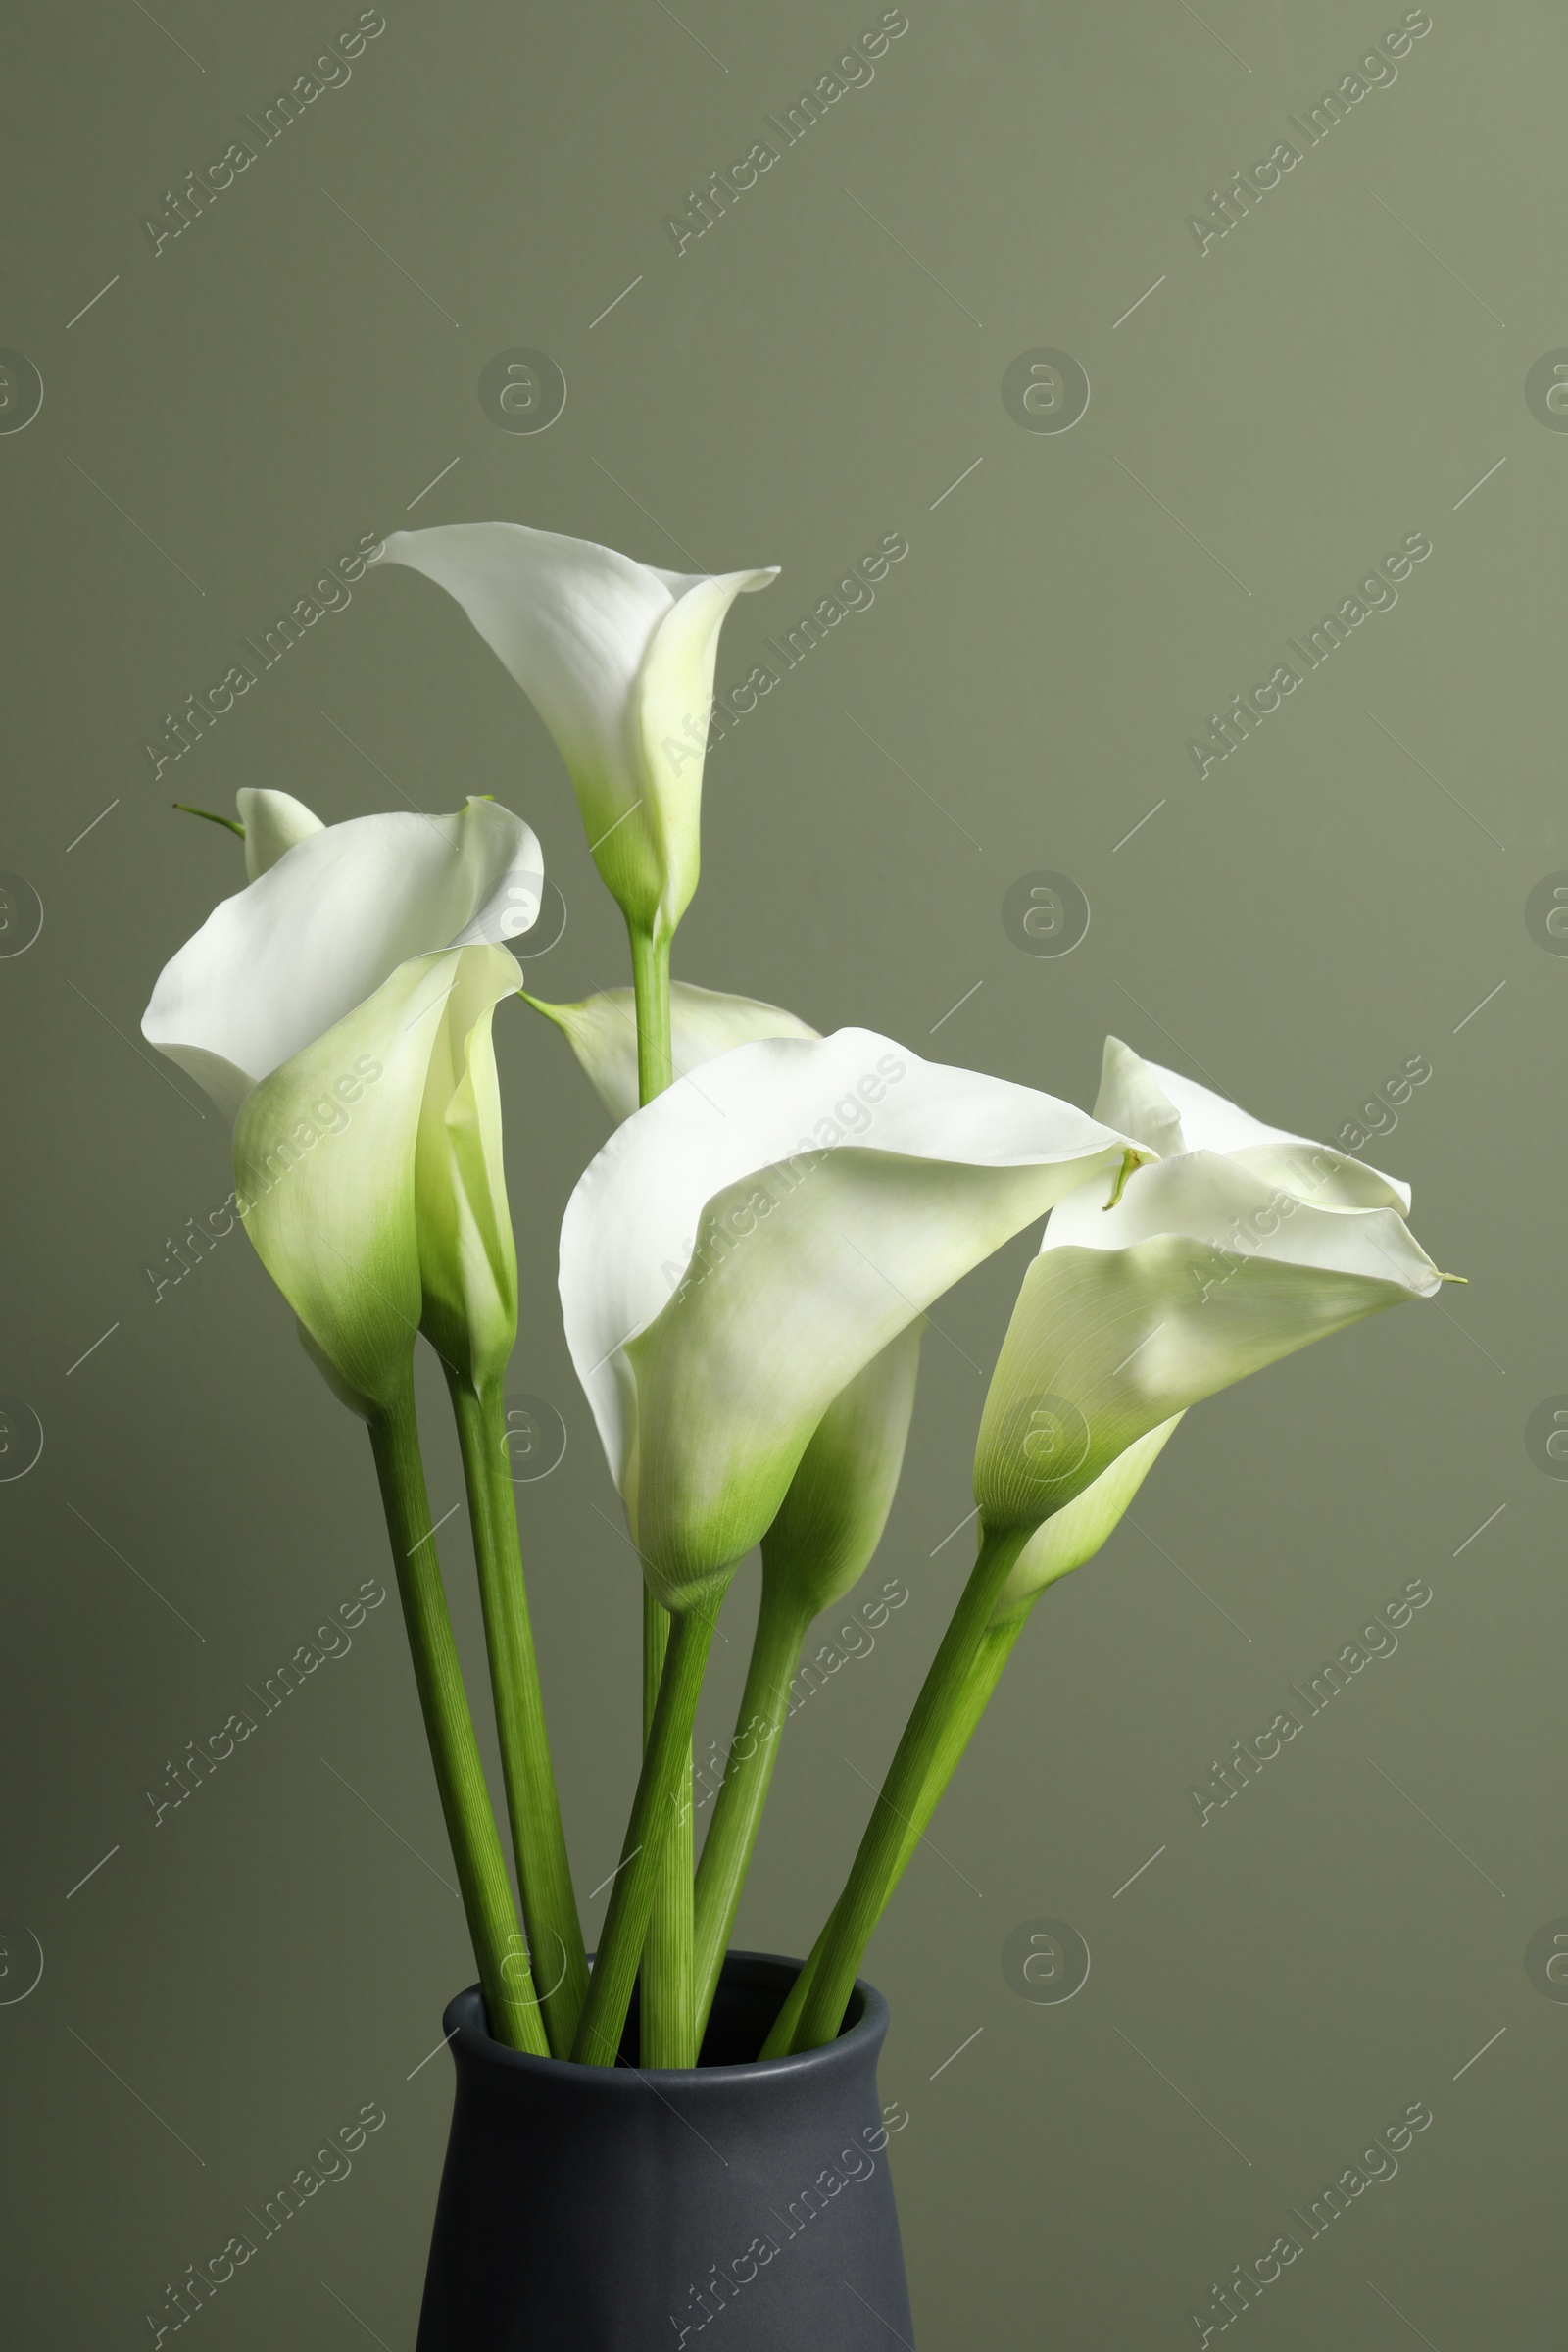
1072 1536
617 658
1132 1099
1153 1104
339 1010
1224 1203
1247 1245
745 1243
572 621
1104 1345
602 1031
275 967
273 822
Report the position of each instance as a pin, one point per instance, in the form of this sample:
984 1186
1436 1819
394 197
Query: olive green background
811 374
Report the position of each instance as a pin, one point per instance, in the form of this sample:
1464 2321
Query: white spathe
338 1010
317 932
617 658
1244 1245
1226 1179
831 1519
745 1243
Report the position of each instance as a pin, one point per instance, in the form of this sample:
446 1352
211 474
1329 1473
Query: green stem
538 1840
660 1796
656 1639
510 2006
781 2034
781 1625
649 980
919 1753
997 1648
668 2008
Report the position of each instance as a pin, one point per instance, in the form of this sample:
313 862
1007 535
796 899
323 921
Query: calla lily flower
1239 1245
831 1520
747 1242
602 1031
338 1011
617 658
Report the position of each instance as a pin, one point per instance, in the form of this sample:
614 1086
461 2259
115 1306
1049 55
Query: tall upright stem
995 1648
650 980
781 1625
661 1793
919 1751
505 1975
668 2006
538 1839
667 2011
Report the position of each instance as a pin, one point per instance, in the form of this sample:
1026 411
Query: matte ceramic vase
612 2209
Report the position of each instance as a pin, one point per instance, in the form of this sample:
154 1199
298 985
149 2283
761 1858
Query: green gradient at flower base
384 1224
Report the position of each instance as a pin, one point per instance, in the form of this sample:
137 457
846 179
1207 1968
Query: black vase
614 2209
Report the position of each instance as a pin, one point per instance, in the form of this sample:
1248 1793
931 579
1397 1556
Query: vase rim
467 2031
